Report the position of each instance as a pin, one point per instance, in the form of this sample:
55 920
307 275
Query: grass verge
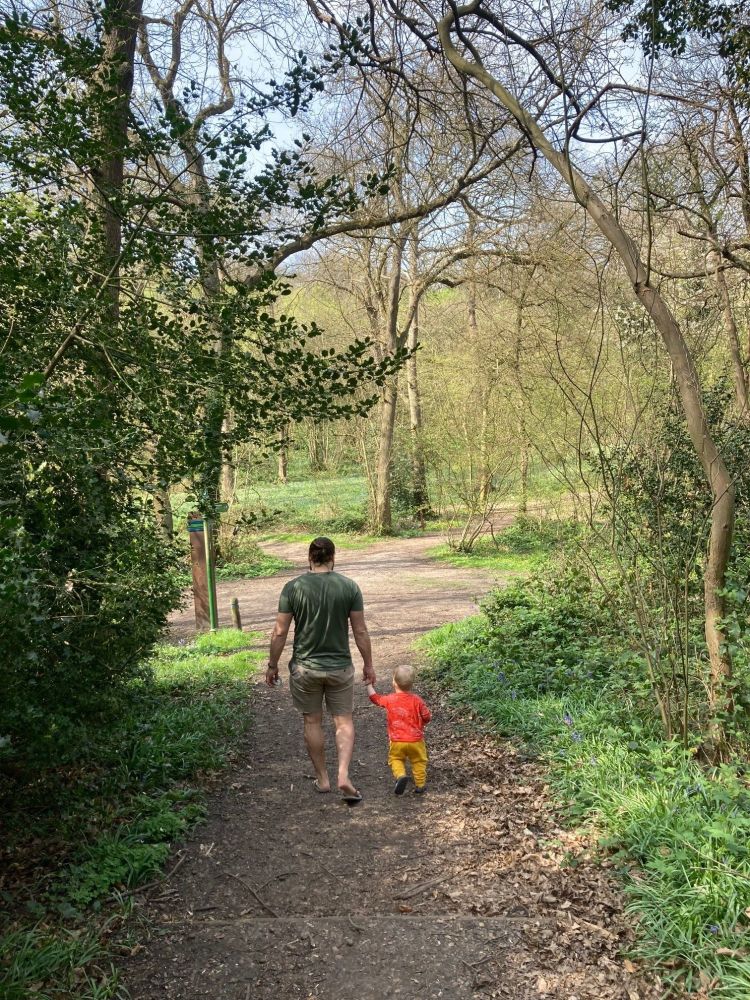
258 565
342 540
250 563
319 504
98 821
484 555
540 668
518 549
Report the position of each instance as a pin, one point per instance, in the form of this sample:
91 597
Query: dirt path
285 893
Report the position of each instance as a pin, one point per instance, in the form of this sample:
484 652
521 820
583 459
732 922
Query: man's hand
362 639
278 641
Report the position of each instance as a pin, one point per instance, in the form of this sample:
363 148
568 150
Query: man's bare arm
362 639
278 641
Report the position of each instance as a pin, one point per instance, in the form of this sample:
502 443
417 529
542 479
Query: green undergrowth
244 569
98 820
518 549
484 555
313 504
320 504
303 538
542 665
250 563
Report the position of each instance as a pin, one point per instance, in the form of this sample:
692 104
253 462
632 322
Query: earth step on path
285 893
328 957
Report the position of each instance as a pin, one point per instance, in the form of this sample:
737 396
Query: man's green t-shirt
320 603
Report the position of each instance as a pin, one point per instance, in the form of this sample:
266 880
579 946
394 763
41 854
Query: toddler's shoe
420 791
400 787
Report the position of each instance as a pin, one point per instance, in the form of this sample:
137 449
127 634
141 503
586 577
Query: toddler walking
406 716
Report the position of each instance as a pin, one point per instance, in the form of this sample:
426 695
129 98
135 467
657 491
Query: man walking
322 603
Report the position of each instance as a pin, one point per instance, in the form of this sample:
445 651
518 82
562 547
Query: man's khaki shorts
309 687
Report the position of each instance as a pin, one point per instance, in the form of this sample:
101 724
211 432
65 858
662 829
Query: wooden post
236 614
208 541
196 527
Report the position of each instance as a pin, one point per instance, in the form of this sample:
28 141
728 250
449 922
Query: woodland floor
284 893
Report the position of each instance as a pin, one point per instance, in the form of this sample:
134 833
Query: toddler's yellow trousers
399 753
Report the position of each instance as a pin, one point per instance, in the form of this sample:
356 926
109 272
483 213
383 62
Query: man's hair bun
322 550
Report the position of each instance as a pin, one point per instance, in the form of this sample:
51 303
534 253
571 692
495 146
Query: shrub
546 663
548 634
86 583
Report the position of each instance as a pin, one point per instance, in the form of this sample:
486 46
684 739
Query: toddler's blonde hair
404 677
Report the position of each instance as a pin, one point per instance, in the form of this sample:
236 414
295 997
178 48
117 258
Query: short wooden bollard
236 614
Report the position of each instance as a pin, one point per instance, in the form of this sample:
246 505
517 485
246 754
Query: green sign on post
208 539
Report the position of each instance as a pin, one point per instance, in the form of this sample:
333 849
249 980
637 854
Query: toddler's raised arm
375 698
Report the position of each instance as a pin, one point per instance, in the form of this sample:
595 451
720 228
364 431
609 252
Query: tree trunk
484 474
382 517
314 447
228 473
523 437
228 481
735 351
283 466
727 313
686 378
742 159
115 79
484 471
163 505
393 340
216 418
420 495
523 504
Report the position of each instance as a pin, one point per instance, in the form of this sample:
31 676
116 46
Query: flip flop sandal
321 791
352 800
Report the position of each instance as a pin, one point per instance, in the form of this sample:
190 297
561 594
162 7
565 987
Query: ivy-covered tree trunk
163 503
115 82
111 89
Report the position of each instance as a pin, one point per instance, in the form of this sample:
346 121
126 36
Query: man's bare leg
315 743
344 725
